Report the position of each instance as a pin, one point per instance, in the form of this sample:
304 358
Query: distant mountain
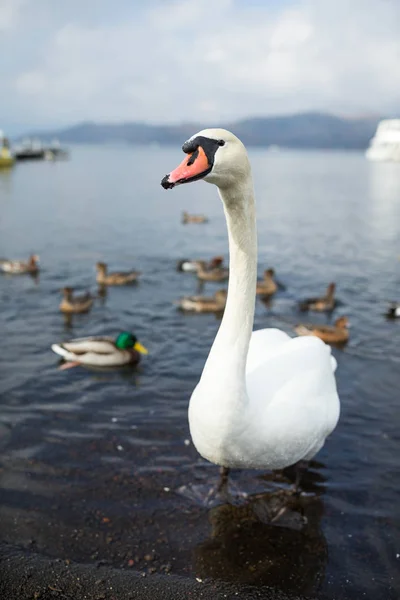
306 130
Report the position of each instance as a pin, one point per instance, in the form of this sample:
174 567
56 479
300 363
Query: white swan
264 400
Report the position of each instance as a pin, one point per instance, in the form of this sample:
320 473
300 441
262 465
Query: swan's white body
264 400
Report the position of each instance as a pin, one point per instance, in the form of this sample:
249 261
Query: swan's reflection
289 553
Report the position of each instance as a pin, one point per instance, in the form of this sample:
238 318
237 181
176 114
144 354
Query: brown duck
214 272
192 265
267 286
116 278
19 267
75 304
336 334
187 218
204 304
324 303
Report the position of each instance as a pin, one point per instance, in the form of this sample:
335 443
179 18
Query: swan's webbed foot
223 492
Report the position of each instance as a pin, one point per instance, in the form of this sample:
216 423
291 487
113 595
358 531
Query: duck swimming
187 218
192 266
264 400
116 278
203 304
214 272
267 286
75 304
393 311
336 334
325 303
20 267
101 351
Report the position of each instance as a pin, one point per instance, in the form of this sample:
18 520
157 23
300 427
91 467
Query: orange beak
193 167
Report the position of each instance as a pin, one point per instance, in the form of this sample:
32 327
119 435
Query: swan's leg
300 468
221 489
224 478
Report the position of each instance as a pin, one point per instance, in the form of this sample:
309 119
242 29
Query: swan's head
215 155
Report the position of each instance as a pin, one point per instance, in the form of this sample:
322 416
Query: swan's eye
221 142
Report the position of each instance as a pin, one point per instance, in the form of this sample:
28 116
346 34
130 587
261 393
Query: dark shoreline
29 576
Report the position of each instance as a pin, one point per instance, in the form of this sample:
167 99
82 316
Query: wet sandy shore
27 576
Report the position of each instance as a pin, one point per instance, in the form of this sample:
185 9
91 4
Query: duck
264 400
102 351
393 311
336 334
325 303
212 272
20 267
75 304
267 286
204 304
117 278
191 266
187 218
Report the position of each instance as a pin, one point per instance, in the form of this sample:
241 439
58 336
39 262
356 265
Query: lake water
92 462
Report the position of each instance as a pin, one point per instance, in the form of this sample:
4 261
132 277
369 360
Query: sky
209 61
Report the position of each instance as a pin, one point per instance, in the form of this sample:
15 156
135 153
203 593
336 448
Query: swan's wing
263 344
293 362
293 393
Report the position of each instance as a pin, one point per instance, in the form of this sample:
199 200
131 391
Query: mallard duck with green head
101 351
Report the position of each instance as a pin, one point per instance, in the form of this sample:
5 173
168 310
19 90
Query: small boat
55 152
6 158
30 150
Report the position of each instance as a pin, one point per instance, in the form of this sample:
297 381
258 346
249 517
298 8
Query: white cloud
191 60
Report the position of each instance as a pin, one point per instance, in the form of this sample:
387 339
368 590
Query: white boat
385 145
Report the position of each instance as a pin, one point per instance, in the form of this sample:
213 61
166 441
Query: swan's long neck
229 351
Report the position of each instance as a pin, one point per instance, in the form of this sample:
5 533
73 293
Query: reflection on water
91 460
245 547
384 182
384 179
